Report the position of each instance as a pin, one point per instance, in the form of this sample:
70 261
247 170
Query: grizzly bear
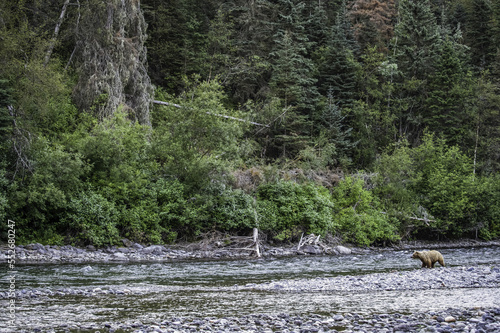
429 258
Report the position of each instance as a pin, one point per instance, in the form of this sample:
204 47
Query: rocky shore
451 320
134 252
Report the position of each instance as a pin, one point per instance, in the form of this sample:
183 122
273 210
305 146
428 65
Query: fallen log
210 113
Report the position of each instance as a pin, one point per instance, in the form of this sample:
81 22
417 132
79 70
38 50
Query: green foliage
357 212
485 215
433 191
336 63
231 210
177 215
194 141
409 109
449 88
3 196
286 209
92 219
38 202
444 182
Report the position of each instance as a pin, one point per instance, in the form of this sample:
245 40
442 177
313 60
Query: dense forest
166 120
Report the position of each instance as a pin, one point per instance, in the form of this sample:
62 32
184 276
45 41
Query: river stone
35 247
127 243
90 248
154 249
450 319
119 256
343 250
309 249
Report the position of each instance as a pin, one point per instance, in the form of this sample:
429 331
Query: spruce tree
336 61
415 52
416 35
372 21
445 112
112 60
479 34
333 125
292 78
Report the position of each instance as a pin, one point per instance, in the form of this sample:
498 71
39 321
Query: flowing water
155 291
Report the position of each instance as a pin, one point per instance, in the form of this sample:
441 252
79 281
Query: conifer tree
447 92
292 78
333 125
478 32
336 61
415 52
416 35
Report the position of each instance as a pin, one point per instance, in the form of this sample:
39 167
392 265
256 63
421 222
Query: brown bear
429 258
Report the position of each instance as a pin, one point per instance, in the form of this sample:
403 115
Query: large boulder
342 250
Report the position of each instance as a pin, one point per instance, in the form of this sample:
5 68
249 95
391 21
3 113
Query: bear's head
416 255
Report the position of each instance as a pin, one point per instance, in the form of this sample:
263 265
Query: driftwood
210 113
313 240
229 243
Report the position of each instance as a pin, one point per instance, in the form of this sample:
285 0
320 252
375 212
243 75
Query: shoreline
134 252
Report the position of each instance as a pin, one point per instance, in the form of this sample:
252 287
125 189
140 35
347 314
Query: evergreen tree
478 32
292 78
447 92
113 60
6 101
333 127
336 61
416 35
178 37
415 52
253 30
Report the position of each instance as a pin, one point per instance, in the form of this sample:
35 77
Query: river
86 294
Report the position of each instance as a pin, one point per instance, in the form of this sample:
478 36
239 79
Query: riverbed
303 293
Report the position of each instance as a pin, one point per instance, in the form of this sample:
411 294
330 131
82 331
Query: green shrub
286 209
232 210
92 219
358 214
175 213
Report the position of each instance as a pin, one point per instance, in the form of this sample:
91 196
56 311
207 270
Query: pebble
471 320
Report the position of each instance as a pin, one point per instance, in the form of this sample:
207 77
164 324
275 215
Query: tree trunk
56 33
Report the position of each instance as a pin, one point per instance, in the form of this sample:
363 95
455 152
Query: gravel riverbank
451 320
134 252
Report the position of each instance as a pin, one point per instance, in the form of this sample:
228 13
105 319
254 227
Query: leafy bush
485 217
92 219
286 209
176 214
231 210
358 214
